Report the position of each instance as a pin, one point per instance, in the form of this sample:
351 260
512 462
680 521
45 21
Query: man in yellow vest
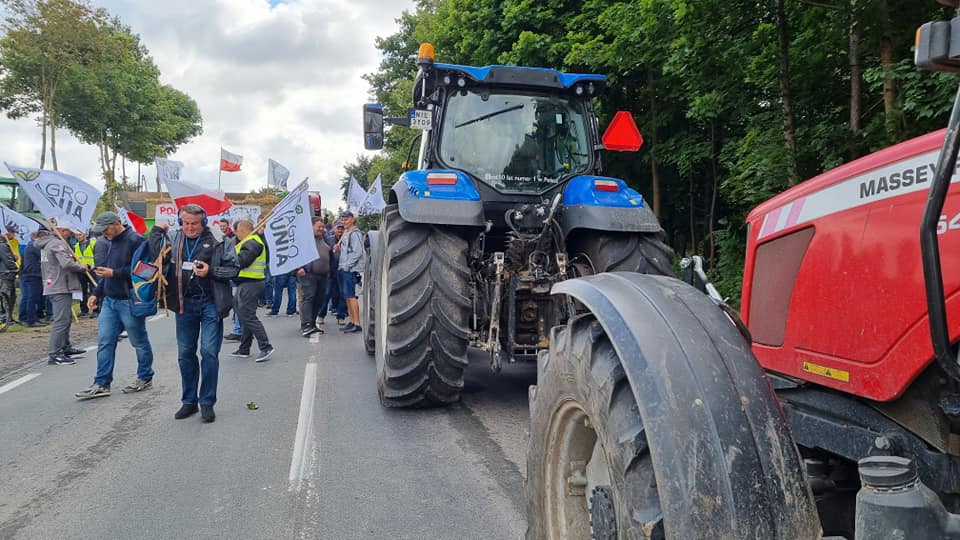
253 270
83 251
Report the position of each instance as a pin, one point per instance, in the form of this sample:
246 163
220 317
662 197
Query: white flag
289 233
277 175
23 224
355 195
373 203
168 169
68 199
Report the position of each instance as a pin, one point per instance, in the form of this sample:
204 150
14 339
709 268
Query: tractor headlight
461 82
578 90
447 79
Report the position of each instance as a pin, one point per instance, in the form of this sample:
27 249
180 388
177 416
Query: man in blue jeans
198 273
115 310
283 282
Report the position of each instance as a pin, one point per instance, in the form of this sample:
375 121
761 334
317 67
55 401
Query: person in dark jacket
252 257
31 286
113 287
198 273
8 280
313 283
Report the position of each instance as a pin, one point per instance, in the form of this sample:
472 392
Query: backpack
145 279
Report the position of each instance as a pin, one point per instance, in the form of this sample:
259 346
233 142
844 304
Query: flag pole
219 176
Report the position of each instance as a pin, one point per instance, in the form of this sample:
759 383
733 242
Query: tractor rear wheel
604 251
423 305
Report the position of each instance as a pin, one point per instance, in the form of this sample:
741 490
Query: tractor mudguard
724 455
605 204
447 197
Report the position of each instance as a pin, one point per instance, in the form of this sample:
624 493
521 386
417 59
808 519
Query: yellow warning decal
824 371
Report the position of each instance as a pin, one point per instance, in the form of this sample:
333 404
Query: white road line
13 384
301 442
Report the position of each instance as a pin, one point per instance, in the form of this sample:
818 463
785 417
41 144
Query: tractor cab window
517 143
7 195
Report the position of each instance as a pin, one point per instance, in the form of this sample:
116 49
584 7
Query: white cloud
277 80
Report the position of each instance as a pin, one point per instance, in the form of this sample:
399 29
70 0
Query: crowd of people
204 276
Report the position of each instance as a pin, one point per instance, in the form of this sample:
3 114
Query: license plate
421 119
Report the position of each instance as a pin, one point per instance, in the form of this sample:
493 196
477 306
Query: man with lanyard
83 250
252 255
198 273
116 315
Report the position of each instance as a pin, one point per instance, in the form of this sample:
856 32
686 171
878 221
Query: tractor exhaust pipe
930 245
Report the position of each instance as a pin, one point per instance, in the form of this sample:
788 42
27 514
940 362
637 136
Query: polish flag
229 161
183 193
132 220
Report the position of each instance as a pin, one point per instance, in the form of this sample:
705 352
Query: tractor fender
722 448
620 210
454 203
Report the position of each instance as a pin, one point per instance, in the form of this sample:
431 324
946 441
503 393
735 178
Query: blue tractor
506 200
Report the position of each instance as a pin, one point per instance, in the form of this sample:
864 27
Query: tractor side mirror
373 126
622 135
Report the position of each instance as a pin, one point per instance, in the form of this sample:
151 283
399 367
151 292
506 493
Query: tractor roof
525 76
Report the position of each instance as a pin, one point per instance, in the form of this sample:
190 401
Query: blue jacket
31 262
118 259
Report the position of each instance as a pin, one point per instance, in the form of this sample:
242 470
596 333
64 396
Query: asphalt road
319 458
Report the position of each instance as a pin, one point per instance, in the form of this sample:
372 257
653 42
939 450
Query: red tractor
653 417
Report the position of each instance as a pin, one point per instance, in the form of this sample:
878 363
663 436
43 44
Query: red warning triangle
622 134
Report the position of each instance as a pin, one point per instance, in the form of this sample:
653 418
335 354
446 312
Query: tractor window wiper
489 115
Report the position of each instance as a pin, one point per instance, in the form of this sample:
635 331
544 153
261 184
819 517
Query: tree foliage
86 71
737 100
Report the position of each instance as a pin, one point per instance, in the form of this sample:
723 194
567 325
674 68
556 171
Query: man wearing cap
112 293
313 283
83 251
61 275
351 253
8 275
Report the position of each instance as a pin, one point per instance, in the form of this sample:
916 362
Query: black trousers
313 287
245 304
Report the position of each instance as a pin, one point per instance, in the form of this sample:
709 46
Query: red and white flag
229 161
213 202
132 220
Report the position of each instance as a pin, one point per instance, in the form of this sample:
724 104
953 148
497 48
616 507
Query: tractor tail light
606 185
442 179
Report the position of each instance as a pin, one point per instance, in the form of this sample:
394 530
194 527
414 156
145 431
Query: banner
237 212
59 196
373 203
289 233
23 224
167 213
167 169
355 195
277 175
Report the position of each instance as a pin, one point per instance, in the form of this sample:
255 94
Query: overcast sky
274 79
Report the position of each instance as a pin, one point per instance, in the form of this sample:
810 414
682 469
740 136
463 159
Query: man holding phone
198 271
113 287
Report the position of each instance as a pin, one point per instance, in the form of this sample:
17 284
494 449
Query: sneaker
61 360
320 322
355 330
74 352
294 314
94 391
310 330
240 354
264 355
138 385
341 322
206 411
187 409
231 337
273 315
123 334
349 327
35 325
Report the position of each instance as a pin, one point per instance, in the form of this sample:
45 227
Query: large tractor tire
604 251
370 292
652 419
423 310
